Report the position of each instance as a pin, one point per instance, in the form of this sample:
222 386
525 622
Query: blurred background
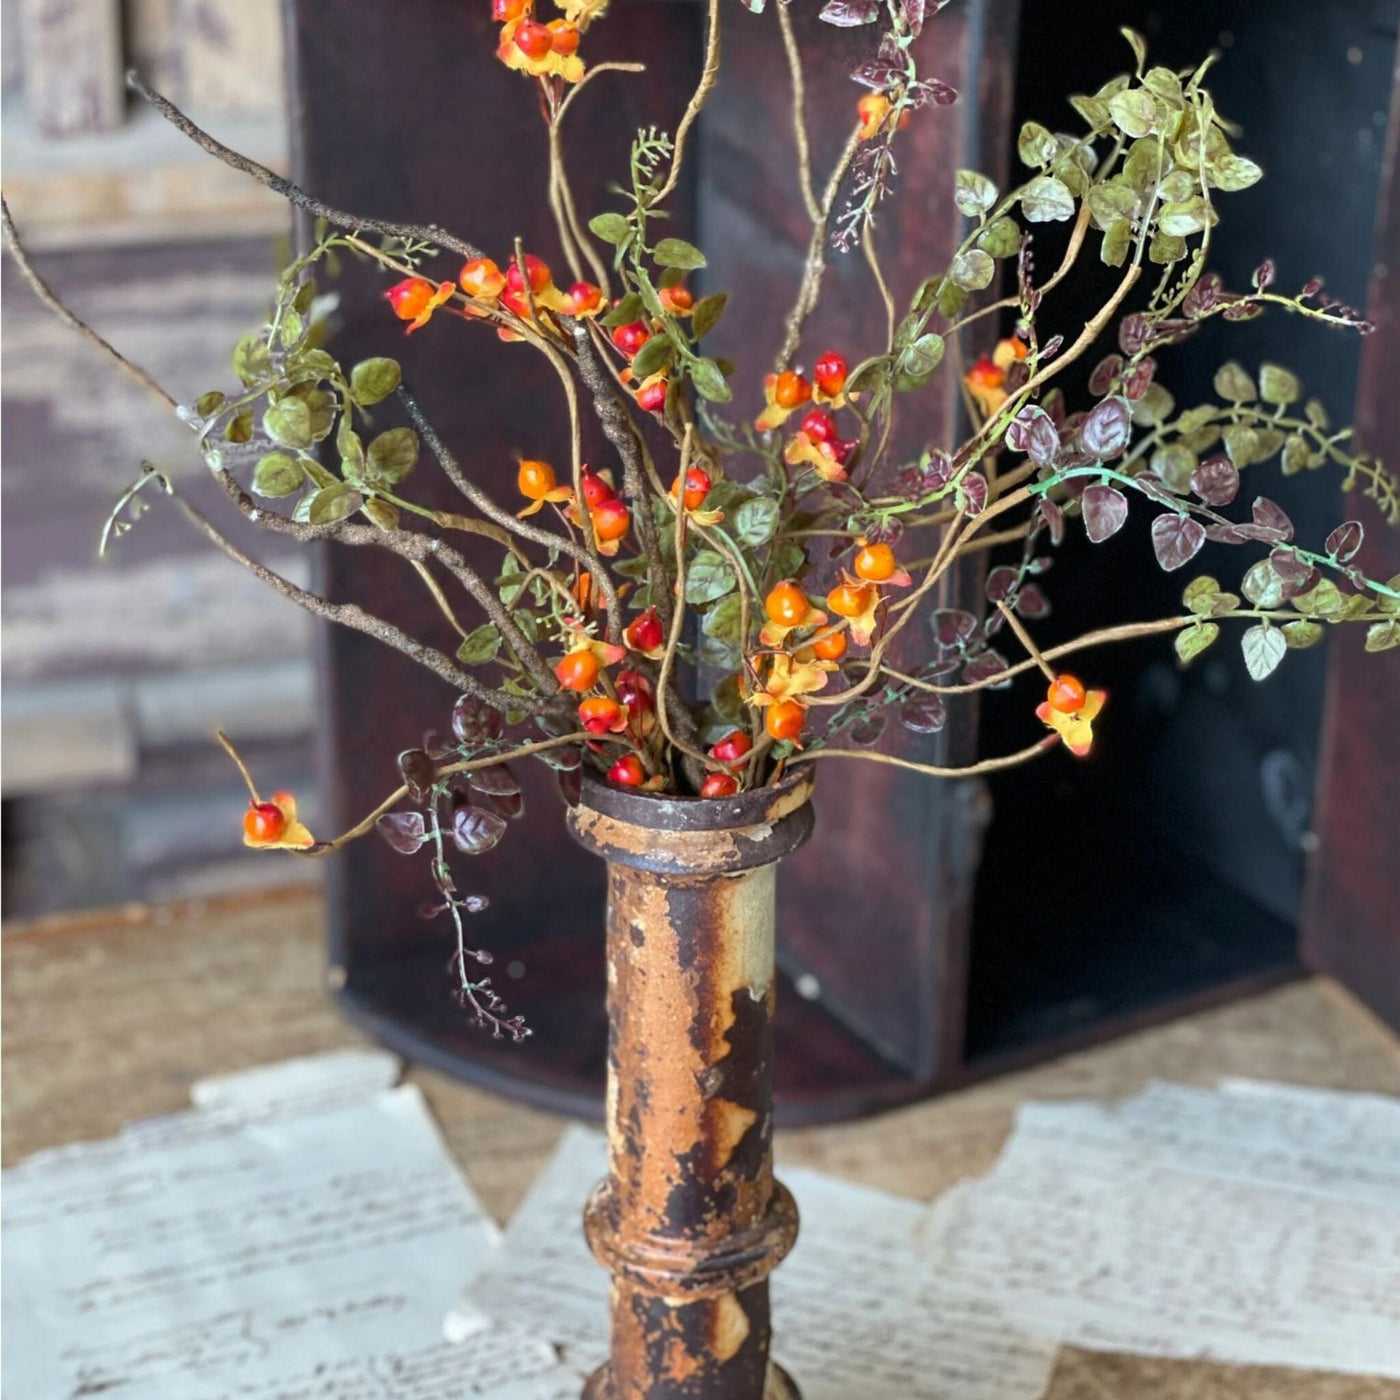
115 671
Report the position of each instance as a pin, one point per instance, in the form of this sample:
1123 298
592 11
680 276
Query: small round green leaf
611 228
333 503
373 380
676 252
277 475
756 520
288 423
393 454
1191 642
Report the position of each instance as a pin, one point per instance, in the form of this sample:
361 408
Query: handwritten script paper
296 1237
1255 1223
853 1315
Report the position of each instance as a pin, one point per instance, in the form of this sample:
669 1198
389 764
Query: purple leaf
1297 574
877 74
1054 519
1176 539
1033 432
924 714
931 90
497 780
404 831
1152 487
1105 509
867 731
1140 380
1269 516
1106 428
990 663
914 15
1133 333
418 773
475 830
565 760
510 805
972 493
1343 543
1001 583
952 627
474 721
570 785
1216 481
1203 296
1031 602
848 14
1264 274
1104 373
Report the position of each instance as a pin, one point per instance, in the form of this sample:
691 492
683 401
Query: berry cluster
816 442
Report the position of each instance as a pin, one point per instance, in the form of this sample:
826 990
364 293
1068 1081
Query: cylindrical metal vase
689 1220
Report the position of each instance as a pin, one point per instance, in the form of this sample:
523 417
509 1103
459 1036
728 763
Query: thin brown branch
709 75
293 194
987 765
1026 640
799 111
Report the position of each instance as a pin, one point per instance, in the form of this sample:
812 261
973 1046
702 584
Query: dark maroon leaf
972 493
564 760
914 15
1269 516
1216 480
1105 509
1104 373
570 785
847 14
1203 296
435 746
1054 519
1242 311
1001 583
404 831
497 780
1048 351
1140 380
983 667
418 773
867 731
474 721
509 805
1107 427
1345 540
1264 274
931 90
924 714
1133 333
877 74
1031 601
1176 539
475 830
1238 532
1033 432
952 627
1297 574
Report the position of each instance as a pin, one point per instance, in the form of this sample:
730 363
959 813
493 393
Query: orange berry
578 670
600 714
563 37
985 374
718 785
872 109
1066 694
697 487
611 519
791 390
832 647
503 11
875 563
830 373
482 278
732 747
676 300
850 599
535 480
409 298
264 821
786 604
627 771
784 720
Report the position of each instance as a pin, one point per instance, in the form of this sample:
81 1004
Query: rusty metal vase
689 1220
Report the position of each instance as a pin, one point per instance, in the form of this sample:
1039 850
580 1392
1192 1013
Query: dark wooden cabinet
893 989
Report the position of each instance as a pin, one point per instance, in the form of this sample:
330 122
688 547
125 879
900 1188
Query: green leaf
611 228
251 359
1166 248
277 475
870 375
629 309
676 252
709 576
1242 444
1117 239
918 361
205 404
1163 83
1296 455
1204 598
240 426
709 381
1263 585
1047 200
1144 164
1302 634
756 520
723 620
288 423
656 354
1001 238
1192 641
333 503
480 645
1110 201
973 193
706 312
1231 172
1233 382
1184 217
973 270
1035 145
1323 599
393 454
1137 43
1134 112
385 514
1278 385
373 380
1263 649
1382 636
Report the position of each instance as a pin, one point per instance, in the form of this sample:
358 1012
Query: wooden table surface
113 1016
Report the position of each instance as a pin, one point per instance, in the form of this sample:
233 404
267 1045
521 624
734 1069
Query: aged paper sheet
298 1235
854 1318
1255 1224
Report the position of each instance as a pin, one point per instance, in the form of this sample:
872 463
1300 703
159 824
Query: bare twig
709 75
987 765
799 111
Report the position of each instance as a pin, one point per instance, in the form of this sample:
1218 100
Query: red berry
264 821
644 633
830 373
651 397
732 747
503 11
718 785
627 772
596 489
599 714
697 487
1066 694
819 425
631 337
538 270
480 277
409 298
634 690
563 37
585 297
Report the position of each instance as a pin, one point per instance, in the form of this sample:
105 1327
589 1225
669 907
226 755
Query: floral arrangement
783 557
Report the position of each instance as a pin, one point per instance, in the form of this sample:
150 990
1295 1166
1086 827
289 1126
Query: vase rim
670 813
